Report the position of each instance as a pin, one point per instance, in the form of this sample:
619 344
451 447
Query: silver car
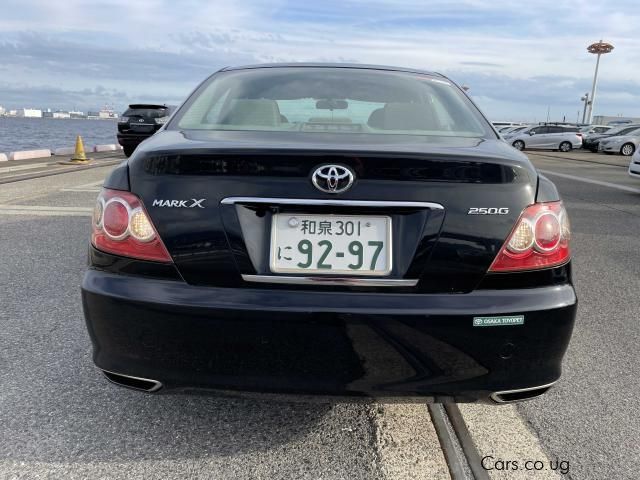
594 129
548 137
622 144
634 165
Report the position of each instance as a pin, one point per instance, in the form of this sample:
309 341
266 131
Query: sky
519 59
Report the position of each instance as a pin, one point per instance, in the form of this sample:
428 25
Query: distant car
139 122
634 165
513 131
590 142
330 230
622 144
499 125
594 129
548 137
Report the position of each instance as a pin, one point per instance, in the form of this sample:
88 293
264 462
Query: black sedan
335 231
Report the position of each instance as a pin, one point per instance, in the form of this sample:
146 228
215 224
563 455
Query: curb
29 154
111 147
64 151
45 152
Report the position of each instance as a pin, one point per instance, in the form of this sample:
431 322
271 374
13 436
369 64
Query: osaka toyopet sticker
498 321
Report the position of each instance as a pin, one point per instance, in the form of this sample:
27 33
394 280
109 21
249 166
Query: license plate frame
277 267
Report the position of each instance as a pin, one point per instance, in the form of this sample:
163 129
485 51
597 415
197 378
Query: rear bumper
326 343
132 139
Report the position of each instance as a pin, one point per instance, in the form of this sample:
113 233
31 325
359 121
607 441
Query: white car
634 165
595 129
547 137
622 144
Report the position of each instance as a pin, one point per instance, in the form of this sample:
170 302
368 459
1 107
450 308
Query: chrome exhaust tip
520 394
136 383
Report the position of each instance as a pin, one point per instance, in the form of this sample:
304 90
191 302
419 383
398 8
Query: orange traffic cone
79 155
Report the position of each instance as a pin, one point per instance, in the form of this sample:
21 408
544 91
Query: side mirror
532 133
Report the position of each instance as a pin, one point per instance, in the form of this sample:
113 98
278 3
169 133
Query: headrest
409 116
245 111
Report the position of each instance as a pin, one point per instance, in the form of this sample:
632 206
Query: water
35 133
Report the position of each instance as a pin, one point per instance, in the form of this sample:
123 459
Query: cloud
84 100
75 59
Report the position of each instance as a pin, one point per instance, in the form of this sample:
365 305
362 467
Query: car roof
136 106
333 65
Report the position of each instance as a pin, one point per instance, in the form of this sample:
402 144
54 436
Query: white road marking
76 189
86 187
17 168
44 210
594 182
91 184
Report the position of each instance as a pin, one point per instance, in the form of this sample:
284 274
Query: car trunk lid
213 202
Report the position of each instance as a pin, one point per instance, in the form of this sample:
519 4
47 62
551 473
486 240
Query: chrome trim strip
494 395
331 202
156 384
349 281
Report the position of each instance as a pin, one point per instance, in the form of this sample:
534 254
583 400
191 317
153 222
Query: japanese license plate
331 244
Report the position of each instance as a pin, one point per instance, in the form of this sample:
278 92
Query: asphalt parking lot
59 418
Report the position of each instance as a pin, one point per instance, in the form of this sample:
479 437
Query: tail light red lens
115 220
540 239
121 226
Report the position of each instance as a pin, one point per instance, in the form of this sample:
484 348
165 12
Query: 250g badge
488 211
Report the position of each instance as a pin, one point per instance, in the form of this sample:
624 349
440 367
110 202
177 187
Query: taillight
121 226
540 239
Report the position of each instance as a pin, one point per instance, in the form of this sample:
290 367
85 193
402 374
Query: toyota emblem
332 178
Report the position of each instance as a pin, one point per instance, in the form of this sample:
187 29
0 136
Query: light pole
585 99
598 48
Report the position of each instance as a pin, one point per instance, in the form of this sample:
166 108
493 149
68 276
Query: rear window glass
146 112
331 100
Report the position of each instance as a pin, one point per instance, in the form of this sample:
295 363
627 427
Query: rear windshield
331 100
146 112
